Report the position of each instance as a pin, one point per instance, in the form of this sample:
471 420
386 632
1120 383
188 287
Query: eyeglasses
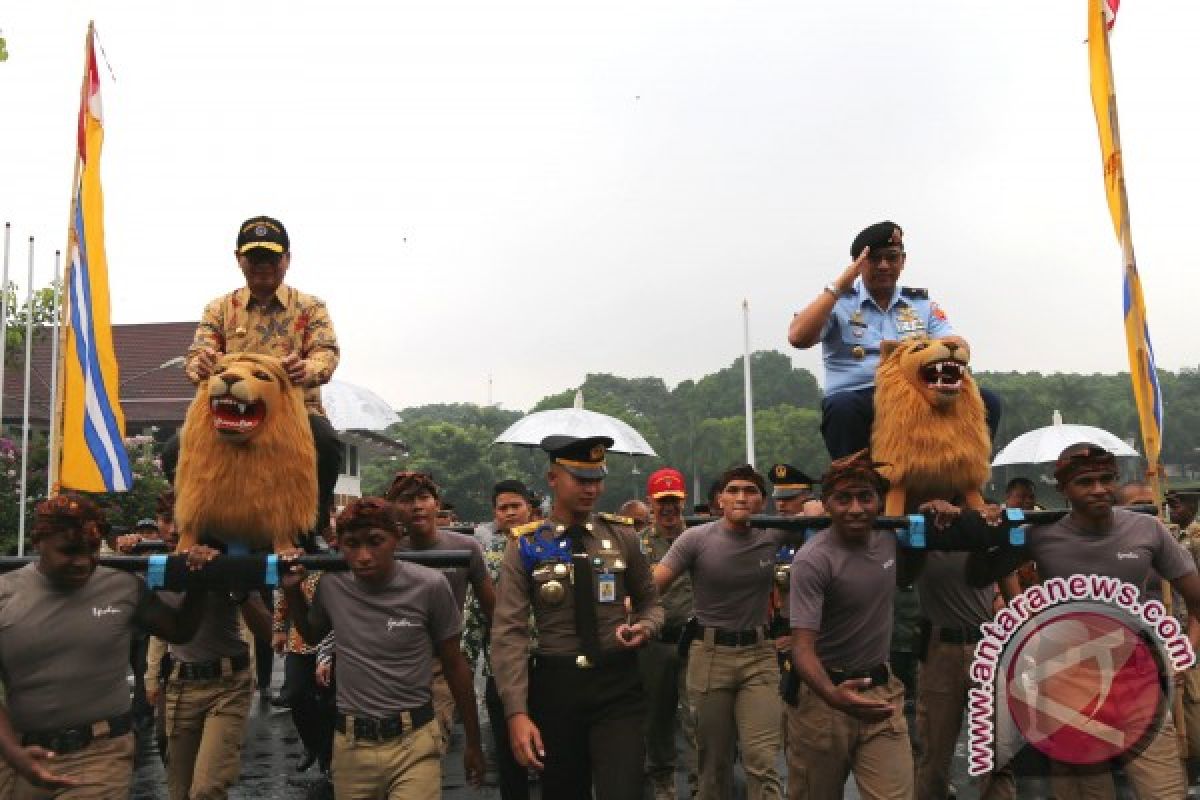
892 257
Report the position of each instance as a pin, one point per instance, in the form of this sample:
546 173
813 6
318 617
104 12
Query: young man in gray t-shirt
65 627
1097 539
732 673
850 703
392 620
417 501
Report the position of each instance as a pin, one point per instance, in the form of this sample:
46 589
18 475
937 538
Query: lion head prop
930 426
247 464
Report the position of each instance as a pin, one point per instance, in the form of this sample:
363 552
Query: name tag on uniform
606 588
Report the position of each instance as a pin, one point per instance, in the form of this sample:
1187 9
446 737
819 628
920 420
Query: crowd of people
604 640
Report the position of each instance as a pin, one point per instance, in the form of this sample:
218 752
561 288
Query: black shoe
307 761
279 701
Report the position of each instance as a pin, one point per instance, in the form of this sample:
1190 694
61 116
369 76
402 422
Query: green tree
17 311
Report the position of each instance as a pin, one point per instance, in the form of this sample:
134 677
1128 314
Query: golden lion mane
930 424
247 463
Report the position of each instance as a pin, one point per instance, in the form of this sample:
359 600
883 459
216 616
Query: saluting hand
526 741
852 272
30 764
847 699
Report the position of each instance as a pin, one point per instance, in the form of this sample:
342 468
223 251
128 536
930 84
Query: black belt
72 740
671 634
879 674
734 638
605 659
210 670
381 730
959 635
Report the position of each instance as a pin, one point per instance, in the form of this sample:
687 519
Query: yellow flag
1142 369
93 433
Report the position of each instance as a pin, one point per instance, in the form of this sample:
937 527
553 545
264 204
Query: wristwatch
833 290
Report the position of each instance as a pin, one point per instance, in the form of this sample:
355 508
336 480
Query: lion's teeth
241 408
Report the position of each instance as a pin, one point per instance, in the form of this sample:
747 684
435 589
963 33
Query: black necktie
585 594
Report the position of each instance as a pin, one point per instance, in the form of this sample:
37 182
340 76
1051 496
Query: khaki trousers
826 745
104 769
206 726
409 766
1155 774
941 701
734 694
797 764
1191 711
665 682
443 706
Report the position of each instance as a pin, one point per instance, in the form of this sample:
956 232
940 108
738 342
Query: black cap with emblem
582 457
262 233
789 482
878 236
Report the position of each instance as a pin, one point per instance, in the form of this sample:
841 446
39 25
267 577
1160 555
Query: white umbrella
353 407
578 421
1044 444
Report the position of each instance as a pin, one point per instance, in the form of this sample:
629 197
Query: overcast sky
541 190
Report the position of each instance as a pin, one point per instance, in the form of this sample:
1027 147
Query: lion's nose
951 346
229 380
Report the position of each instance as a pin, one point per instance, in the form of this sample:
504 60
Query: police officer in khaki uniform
571 707
662 668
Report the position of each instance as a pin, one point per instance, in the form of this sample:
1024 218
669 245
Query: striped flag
1143 372
93 425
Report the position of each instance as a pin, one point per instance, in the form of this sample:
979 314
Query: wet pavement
272 753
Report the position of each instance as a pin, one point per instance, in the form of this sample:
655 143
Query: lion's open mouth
233 416
943 376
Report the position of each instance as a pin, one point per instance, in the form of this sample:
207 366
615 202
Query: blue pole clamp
1016 534
916 531
156 571
272 576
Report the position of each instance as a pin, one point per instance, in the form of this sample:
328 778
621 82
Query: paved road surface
272 752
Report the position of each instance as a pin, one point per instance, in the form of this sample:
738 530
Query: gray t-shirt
732 573
459 577
386 636
219 635
946 599
1129 549
846 594
64 655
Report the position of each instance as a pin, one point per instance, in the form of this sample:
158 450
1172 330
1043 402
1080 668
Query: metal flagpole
4 314
51 461
25 413
749 387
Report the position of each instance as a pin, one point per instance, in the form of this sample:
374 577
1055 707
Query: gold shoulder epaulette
616 520
527 528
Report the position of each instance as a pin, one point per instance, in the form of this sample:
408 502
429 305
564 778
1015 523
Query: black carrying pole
893 523
241 572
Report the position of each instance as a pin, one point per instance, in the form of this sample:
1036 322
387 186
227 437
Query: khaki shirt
517 592
677 600
291 322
